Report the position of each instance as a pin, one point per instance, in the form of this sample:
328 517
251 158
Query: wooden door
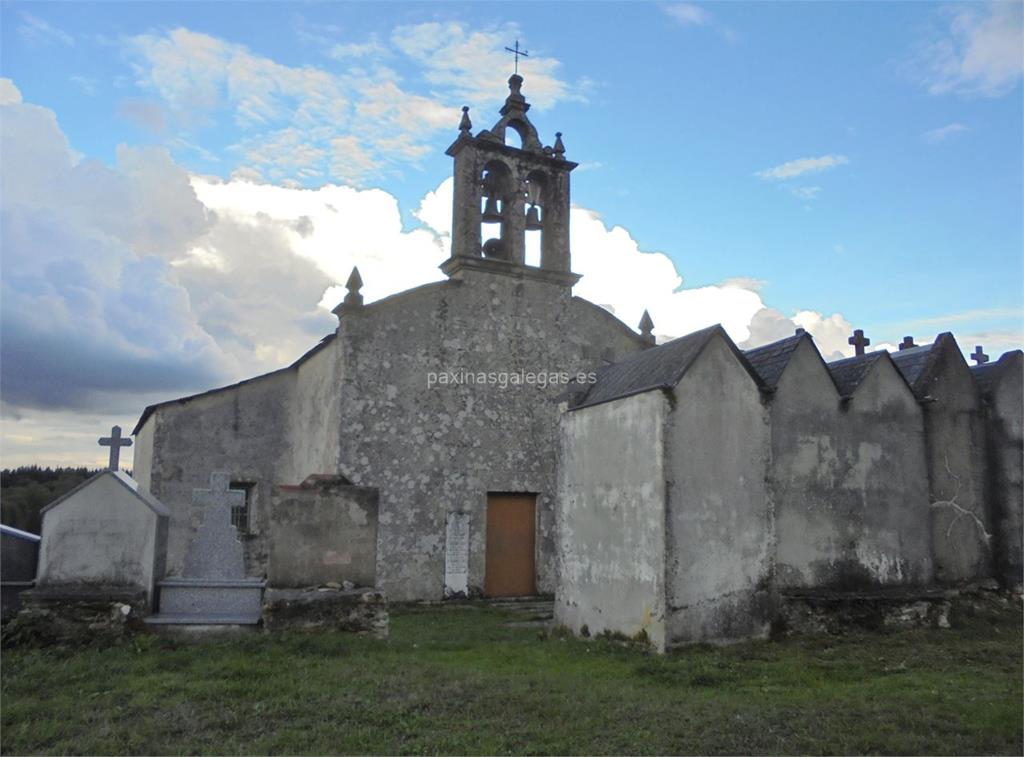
511 527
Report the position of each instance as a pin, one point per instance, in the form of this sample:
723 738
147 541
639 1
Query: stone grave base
362 611
76 615
209 601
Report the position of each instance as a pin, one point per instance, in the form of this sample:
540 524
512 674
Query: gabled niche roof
850 372
918 364
124 480
770 360
659 367
988 374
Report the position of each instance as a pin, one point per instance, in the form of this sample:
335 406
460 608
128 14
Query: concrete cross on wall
978 356
907 343
859 341
115 442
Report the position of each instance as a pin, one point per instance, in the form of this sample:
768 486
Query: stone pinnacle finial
353 285
647 329
800 331
465 124
559 149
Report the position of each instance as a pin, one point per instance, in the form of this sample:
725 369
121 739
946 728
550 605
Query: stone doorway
511 528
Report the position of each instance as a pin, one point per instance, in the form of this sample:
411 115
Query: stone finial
353 300
859 341
465 124
800 331
559 148
353 285
979 356
115 442
907 343
647 329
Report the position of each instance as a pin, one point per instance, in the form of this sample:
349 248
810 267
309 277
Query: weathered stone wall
432 449
849 480
322 531
243 430
611 518
719 521
360 406
102 534
955 445
1005 419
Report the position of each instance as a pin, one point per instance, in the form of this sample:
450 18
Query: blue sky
856 163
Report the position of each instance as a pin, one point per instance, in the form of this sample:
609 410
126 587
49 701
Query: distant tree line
27 490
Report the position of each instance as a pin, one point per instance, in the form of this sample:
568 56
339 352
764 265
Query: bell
491 213
533 222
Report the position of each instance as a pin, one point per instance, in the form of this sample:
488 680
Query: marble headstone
456 554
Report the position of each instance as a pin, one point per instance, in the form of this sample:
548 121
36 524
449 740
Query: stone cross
518 53
216 552
907 343
978 356
115 442
859 341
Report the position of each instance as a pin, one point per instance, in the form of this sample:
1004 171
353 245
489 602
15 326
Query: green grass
460 680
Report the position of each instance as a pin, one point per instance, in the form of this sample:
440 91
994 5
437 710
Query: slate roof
849 372
151 408
659 367
916 363
771 360
124 480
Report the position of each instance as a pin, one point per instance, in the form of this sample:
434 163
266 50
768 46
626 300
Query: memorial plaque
456 555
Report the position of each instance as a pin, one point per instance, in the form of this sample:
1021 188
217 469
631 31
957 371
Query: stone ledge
76 616
363 611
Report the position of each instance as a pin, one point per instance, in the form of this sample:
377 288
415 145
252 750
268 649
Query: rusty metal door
510 545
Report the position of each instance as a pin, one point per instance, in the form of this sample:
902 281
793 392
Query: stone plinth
362 611
76 615
214 589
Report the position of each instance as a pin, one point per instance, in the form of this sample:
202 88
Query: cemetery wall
431 447
323 531
1005 418
719 522
313 434
611 518
850 488
955 439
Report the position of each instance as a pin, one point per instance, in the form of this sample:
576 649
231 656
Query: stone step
189 619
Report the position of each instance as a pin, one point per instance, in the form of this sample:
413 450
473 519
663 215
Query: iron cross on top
115 442
517 52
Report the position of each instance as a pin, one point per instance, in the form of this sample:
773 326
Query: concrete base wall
323 531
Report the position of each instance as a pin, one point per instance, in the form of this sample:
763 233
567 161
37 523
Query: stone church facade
376 402
676 490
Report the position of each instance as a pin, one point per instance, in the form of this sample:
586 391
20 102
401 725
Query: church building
495 435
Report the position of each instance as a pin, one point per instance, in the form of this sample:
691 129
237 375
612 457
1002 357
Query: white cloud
980 51
806 193
802 166
38 31
473 66
934 136
9 93
304 123
687 14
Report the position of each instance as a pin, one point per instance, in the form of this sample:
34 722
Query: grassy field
459 679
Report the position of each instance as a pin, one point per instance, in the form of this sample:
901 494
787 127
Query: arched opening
496 183
535 196
514 135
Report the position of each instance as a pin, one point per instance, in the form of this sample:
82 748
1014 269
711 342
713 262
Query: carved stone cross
115 442
978 356
907 343
859 341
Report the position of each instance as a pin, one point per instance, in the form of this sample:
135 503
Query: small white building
106 532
